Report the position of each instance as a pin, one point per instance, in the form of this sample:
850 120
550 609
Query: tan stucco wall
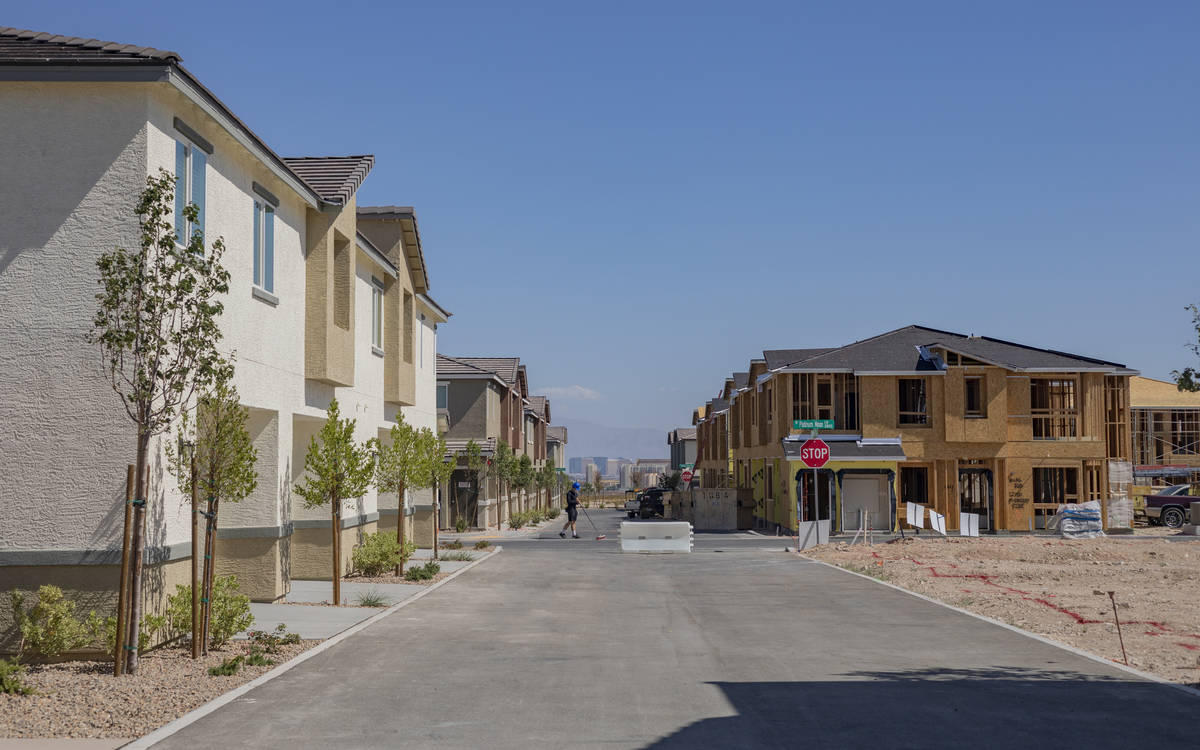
311 549
259 564
329 296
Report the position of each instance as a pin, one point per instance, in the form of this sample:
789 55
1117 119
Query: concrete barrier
656 536
1193 527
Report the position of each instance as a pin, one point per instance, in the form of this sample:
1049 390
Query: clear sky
638 197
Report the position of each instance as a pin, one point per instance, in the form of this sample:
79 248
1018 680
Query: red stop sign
686 475
814 453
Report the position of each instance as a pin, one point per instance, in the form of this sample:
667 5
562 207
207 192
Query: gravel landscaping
393 578
1057 588
83 699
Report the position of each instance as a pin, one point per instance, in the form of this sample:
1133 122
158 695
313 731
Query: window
264 245
190 164
1186 428
421 347
912 402
914 484
376 315
1051 488
443 395
1053 408
408 327
973 405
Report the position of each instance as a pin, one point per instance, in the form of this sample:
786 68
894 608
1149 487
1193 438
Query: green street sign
812 424
687 466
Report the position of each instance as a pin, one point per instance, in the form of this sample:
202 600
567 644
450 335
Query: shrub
460 555
423 572
553 513
49 627
460 524
11 674
379 552
482 544
104 631
257 658
230 611
371 599
228 667
269 642
518 519
456 544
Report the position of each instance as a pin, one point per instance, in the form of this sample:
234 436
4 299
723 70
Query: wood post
137 555
123 587
337 552
210 544
195 559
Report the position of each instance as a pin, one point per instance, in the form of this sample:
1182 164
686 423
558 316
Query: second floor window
443 395
973 405
913 408
1053 408
377 314
190 165
264 246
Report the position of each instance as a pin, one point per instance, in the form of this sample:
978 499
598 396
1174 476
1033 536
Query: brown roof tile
26 47
334 178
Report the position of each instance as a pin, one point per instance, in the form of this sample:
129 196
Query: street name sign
814 453
812 424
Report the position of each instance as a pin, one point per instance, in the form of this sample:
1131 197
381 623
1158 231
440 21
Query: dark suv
651 503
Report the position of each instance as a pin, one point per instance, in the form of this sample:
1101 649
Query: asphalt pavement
569 643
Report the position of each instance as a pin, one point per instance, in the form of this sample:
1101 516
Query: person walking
572 512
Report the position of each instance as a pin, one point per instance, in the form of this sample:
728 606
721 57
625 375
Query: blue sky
638 197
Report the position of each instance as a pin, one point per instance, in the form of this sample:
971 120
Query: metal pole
195 560
123 588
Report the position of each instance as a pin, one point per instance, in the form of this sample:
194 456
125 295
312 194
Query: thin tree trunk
196 631
401 526
136 552
337 552
123 586
437 508
210 567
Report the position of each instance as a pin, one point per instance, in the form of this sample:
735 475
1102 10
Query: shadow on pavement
947 708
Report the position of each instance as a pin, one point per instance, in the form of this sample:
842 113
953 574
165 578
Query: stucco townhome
327 300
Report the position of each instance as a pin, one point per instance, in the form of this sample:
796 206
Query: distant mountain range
590 439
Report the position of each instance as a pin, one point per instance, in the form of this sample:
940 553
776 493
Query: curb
1077 651
200 712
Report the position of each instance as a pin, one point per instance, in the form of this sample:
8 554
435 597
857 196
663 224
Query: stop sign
686 475
814 453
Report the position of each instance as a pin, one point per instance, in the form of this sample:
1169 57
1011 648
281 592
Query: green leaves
225 454
157 312
1188 379
336 467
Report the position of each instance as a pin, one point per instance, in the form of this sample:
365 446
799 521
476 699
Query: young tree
524 474
336 469
546 479
400 467
597 482
441 470
225 458
156 325
1188 379
477 468
503 466
671 481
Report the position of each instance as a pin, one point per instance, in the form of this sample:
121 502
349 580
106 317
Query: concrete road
571 644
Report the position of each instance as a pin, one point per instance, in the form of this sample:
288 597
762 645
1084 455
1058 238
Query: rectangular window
190 167
264 246
377 314
1186 429
407 312
443 395
914 484
1053 487
912 402
1053 408
973 405
421 343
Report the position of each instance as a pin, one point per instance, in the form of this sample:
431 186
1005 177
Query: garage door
865 493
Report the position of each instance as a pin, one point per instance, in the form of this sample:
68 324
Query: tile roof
537 405
684 433
459 445
505 368
556 432
900 351
407 216
26 47
334 178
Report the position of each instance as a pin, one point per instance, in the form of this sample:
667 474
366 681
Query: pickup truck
633 503
1171 507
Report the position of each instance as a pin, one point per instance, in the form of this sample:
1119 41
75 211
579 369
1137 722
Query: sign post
814 454
686 476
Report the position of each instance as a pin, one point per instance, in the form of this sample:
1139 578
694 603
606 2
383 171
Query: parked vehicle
1171 507
633 503
651 505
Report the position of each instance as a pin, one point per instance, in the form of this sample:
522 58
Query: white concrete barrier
656 536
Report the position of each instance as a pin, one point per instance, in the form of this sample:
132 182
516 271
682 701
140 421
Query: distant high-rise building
575 465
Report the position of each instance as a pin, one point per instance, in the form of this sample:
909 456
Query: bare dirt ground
1057 588
83 699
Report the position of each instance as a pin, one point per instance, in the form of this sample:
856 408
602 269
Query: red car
1171 507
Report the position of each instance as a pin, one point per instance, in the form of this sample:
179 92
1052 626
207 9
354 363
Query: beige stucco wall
311 550
261 566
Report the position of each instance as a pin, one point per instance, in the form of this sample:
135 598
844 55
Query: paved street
571 644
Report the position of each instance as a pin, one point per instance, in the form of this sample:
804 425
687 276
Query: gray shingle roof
681 433
899 351
504 368
557 432
741 380
777 358
26 47
334 178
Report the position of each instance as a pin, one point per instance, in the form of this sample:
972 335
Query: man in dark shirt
572 512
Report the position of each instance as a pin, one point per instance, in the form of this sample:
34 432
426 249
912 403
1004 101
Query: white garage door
866 493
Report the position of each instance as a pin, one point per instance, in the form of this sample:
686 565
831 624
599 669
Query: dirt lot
1056 588
83 699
